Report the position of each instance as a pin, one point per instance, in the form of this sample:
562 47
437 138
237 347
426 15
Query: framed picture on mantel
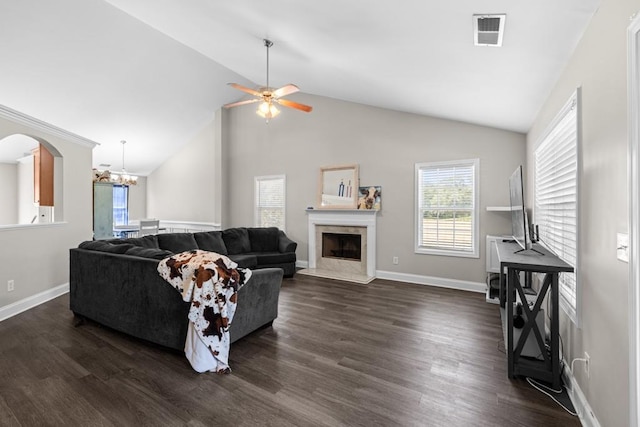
369 198
338 187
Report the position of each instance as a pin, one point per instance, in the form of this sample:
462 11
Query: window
447 208
270 201
556 196
120 204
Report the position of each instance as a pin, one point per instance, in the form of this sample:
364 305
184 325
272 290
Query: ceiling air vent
488 29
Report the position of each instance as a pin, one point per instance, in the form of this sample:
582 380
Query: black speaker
518 320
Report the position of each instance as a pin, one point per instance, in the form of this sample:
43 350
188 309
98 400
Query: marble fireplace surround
349 221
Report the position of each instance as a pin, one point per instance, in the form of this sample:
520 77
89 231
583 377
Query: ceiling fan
269 96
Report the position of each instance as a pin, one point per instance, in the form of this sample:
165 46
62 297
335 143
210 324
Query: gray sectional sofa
116 282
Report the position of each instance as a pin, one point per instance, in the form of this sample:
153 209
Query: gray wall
39 255
138 199
8 193
182 188
386 144
599 66
26 208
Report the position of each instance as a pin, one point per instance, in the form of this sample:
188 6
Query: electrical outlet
587 363
395 260
10 286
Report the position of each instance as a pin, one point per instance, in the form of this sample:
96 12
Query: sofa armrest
257 302
285 244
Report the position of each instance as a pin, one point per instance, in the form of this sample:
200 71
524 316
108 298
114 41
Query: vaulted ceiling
153 72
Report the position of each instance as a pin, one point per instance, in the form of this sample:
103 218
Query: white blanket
209 281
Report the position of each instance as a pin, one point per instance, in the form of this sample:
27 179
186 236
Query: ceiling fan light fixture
267 96
267 110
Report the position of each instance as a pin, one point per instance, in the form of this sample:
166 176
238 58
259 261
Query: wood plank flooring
339 354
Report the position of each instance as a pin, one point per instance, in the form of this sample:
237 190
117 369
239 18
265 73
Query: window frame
573 310
475 210
256 208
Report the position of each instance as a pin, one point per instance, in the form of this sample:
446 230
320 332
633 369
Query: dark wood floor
383 354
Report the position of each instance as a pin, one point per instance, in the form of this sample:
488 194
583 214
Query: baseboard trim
580 403
440 282
32 301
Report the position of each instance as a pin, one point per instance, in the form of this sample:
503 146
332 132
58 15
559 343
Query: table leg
555 332
511 277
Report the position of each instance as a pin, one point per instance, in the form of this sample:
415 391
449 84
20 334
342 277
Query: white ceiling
153 72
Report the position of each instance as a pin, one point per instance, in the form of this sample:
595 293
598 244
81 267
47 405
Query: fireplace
342 246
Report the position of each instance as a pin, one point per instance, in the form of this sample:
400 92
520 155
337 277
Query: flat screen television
519 222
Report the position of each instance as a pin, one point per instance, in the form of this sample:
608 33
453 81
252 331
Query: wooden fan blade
295 105
248 101
285 90
245 89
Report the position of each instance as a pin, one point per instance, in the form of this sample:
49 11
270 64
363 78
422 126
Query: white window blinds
270 201
556 197
447 208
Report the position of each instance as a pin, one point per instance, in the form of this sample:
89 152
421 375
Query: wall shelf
498 209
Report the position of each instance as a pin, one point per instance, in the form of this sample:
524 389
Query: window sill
443 252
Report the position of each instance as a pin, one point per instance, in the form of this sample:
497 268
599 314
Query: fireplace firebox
342 246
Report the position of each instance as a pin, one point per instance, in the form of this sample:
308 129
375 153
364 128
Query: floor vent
488 29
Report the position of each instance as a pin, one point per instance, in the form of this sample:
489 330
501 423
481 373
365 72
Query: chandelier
122 178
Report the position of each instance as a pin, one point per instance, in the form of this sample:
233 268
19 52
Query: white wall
182 188
26 208
386 144
599 66
8 193
39 255
138 200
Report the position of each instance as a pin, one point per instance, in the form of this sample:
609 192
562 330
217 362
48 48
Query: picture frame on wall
369 198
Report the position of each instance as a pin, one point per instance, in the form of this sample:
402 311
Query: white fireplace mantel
344 217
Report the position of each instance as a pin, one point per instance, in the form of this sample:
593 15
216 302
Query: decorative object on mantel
122 178
336 187
268 96
370 197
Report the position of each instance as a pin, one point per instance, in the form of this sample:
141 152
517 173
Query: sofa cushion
177 242
244 260
102 246
94 245
236 240
268 258
263 239
143 242
211 241
153 253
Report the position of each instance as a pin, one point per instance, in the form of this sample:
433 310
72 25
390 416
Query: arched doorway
30 167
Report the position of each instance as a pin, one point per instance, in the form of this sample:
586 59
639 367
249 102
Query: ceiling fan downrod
268 43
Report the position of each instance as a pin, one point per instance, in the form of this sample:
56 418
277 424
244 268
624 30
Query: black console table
529 262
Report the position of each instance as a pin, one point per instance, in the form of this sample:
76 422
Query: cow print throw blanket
209 281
